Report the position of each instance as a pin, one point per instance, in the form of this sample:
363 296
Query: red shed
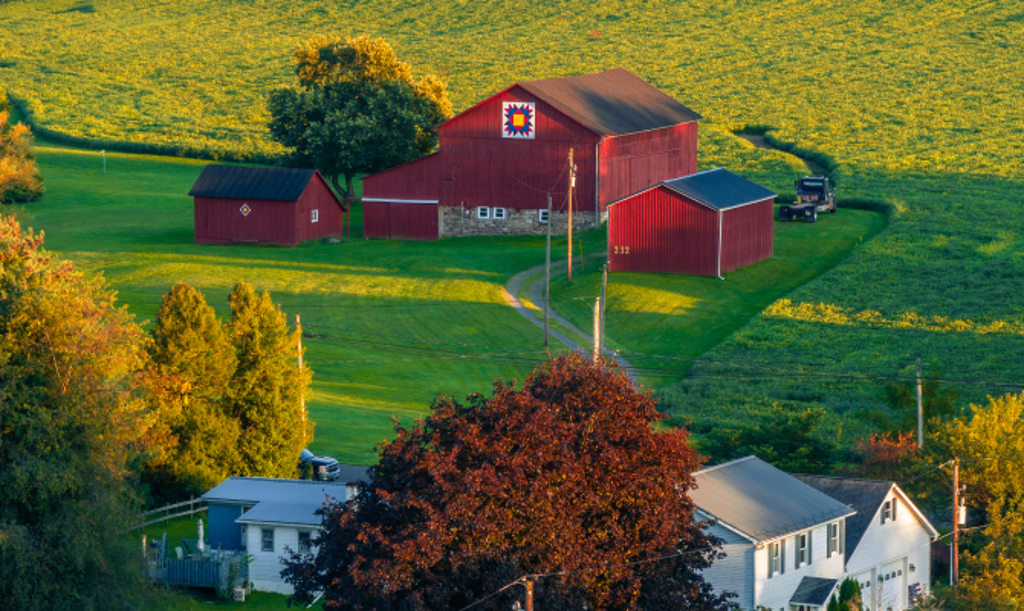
498 160
707 223
264 206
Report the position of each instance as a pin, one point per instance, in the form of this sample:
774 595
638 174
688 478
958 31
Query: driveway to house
536 295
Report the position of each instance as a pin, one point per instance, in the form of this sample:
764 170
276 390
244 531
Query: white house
264 516
791 540
888 541
783 538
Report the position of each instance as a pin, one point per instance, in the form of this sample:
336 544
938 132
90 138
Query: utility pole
572 185
597 329
954 550
302 392
604 300
547 276
920 408
528 582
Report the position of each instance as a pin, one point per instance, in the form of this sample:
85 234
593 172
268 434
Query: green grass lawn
916 101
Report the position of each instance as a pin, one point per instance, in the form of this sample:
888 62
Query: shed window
542 216
304 542
483 212
498 213
267 539
314 215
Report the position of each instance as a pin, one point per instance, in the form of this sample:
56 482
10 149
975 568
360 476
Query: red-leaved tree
566 479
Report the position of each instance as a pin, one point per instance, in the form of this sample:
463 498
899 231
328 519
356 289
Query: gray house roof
813 591
247 182
719 189
761 502
612 102
282 501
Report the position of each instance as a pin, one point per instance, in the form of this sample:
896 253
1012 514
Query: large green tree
73 420
566 477
191 362
357 109
266 390
19 176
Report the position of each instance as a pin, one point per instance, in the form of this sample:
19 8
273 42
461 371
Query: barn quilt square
518 120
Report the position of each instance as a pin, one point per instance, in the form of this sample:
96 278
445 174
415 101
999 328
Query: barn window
542 216
483 212
498 213
314 215
267 539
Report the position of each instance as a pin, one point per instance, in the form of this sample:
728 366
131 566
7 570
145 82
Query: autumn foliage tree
566 478
19 176
357 109
73 423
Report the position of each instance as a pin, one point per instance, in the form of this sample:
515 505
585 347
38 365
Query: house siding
890 548
224 533
775 592
265 568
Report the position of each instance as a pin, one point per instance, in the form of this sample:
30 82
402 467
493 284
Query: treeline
95 414
19 176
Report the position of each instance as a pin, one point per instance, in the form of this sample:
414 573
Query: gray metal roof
719 189
612 102
245 182
813 591
864 495
285 501
760 501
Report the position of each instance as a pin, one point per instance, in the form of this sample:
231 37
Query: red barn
498 160
263 206
707 224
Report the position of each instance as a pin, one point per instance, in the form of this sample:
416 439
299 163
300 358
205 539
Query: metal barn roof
286 501
245 182
719 189
612 102
760 501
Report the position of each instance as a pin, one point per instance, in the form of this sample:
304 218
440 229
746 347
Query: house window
314 215
483 212
542 216
267 539
304 542
888 511
498 213
835 538
775 559
803 549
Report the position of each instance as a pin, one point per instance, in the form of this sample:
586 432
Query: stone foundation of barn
456 221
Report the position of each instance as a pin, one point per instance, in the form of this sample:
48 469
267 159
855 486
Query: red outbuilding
707 224
264 206
498 161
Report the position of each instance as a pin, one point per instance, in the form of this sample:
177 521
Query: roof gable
754 498
866 497
247 182
719 189
612 102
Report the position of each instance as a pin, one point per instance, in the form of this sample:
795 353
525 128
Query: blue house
266 517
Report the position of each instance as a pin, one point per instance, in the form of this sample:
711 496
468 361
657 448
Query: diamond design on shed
245 209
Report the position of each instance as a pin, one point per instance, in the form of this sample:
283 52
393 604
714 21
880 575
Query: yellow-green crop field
921 104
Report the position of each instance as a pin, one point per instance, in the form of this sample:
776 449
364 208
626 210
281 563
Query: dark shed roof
761 501
612 102
243 182
864 495
813 591
719 189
